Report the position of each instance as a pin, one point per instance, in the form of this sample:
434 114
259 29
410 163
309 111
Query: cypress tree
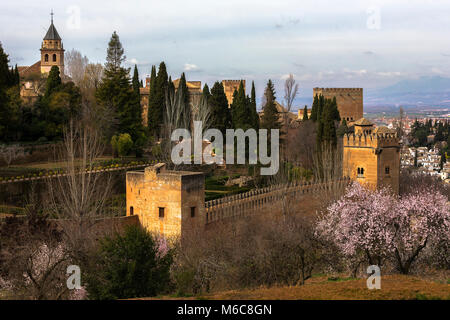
53 81
254 112
240 111
206 92
315 108
152 100
159 99
334 110
305 113
135 82
220 113
186 110
329 128
321 106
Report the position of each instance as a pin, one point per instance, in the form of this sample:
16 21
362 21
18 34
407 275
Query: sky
340 43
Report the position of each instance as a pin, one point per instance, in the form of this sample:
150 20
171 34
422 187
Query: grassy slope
398 287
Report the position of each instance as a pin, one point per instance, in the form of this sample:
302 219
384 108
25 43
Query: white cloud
190 67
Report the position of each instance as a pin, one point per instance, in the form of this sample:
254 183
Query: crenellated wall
349 101
377 154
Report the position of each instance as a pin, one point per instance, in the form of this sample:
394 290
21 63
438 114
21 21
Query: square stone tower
229 86
372 156
349 101
169 203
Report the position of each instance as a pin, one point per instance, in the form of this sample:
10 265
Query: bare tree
327 169
75 65
79 197
290 92
92 76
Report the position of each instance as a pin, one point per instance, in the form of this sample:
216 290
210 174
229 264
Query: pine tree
116 91
115 54
270 118
305 113
220 113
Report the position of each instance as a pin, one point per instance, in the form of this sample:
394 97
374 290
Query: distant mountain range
427 91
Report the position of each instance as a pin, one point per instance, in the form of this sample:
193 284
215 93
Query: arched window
54 57
131 211
46 57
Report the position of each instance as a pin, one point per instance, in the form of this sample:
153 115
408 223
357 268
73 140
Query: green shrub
130 265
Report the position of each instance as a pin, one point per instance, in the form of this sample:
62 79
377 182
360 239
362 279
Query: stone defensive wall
271 199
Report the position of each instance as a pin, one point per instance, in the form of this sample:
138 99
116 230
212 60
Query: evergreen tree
115 54
170 88
220 113
315 108
254 112
118 93
157 107
53 81
206 94
270 118
321 106
334 110
182 85
135 82
329 128
152 99
240 111
305 113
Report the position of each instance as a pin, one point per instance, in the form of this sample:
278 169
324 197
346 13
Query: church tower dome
52 50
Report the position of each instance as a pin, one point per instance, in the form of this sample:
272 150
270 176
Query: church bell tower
52 50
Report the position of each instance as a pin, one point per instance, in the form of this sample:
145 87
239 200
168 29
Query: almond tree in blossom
376 225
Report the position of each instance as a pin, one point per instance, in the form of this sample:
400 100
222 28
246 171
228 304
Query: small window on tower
192 212
386 170
46 58
54 57
131 211
360 173
161 212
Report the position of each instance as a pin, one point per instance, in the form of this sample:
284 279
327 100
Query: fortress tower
229 86
52 50
349 101
169 203
372 156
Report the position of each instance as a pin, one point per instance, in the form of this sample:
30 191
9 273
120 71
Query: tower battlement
371 140
349 101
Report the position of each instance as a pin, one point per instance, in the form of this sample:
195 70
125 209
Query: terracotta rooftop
27 70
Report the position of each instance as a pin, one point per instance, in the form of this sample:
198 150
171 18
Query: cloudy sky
342 43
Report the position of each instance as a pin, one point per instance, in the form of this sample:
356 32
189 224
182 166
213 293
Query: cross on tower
51 13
